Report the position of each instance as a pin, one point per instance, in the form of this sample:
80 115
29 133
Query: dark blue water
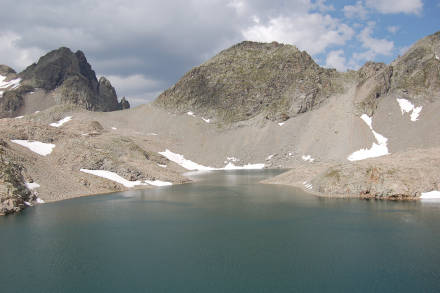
224 234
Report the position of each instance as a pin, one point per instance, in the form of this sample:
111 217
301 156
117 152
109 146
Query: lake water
223 234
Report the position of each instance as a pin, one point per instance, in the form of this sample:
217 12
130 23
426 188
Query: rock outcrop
13 192
66 77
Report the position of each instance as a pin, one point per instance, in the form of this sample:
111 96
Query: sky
143 47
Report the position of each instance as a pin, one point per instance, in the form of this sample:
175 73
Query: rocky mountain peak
274 80
66 78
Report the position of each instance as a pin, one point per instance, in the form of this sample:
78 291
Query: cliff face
249 79
66 77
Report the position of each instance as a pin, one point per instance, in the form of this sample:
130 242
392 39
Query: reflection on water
225 233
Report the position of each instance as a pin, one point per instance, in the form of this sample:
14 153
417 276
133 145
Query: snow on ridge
38 147
307 158
406 107
61 122
12 84
376 150
32 185
435 194
192 166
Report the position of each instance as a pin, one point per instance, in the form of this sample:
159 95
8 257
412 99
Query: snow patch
39 200
19 117
32 185
158 183
114 128
270 157
152 133
206 120
192 166
406 107
307 158
191 114
36 112
113 177
435 194
61 122
436 57
281 123
40 148
376 150
162 166
180 160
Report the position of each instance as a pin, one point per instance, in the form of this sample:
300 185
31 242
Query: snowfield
192 166
406 107
376 150
40 148
61 122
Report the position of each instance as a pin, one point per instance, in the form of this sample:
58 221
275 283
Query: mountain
249 79
59 77
370 133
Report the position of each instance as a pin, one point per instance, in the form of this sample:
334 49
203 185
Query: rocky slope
59 77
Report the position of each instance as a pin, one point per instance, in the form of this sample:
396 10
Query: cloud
311 32
13 55
396 6
393 29
354 11
373 46
336 59
137 87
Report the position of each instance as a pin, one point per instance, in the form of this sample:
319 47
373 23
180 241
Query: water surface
225 233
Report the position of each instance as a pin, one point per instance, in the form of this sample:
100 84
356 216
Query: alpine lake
223 233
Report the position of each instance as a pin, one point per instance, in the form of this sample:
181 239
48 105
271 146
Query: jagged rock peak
70 79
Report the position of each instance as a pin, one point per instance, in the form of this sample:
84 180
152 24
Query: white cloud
377 46
311 32
322 7
13 55
336 59
396 6
373 46
357 10
393 29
